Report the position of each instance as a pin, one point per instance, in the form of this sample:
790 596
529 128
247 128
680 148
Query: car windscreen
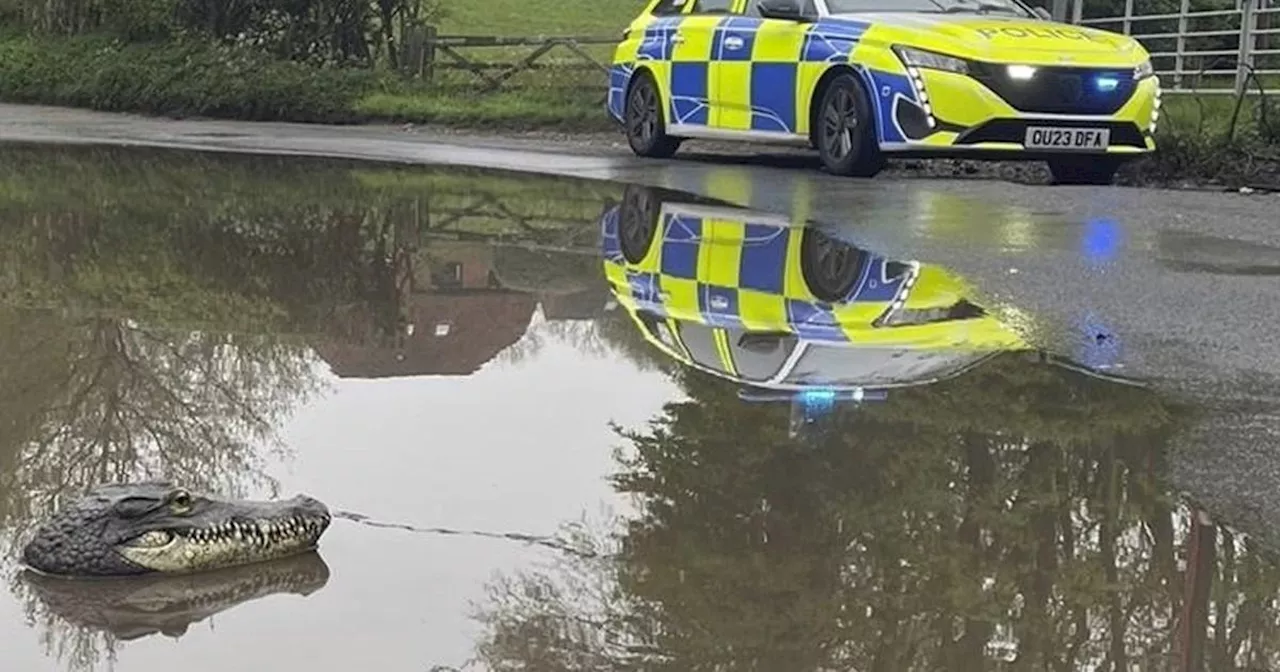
872 367
933 6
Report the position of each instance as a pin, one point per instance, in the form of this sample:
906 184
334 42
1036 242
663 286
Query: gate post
1248 24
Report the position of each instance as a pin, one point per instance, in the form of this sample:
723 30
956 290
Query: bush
179 78
1188 157
1205 139
326 32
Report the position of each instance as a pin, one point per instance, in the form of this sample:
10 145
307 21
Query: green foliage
184 77
323 32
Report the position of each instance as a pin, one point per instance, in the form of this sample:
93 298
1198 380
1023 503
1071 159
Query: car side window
712 6
806 6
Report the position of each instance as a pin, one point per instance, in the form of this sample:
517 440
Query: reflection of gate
485 217
1209 46
1193 621
445 243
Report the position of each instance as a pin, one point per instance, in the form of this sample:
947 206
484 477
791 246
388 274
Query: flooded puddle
575 425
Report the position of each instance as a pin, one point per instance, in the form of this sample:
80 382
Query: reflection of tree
610 334
1014 518
90 400
100 400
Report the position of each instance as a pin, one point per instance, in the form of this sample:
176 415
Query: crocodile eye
181 501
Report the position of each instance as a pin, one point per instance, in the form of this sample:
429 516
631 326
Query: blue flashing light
1107 83
815 397
1102 239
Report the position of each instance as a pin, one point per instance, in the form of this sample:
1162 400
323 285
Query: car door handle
733 42
677 38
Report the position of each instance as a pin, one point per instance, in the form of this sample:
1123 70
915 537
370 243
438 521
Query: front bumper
940 113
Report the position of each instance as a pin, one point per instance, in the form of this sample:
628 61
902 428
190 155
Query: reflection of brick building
458 307
455 319
582 305
453 335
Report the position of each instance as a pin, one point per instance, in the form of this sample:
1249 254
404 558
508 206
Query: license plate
1041 137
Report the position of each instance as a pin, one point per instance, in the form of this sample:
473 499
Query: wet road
311 272
1184 278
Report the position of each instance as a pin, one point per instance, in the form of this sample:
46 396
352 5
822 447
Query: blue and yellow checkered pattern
742 73
736 273
743 76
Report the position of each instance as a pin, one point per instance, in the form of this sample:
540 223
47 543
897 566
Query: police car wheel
1083 169
638 223
829 266
845 135
645 122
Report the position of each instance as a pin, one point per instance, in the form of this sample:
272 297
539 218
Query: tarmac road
1183 284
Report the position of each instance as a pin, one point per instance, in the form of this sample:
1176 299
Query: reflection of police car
862 80
784 309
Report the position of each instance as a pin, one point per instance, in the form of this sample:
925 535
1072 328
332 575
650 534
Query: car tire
1097 170
844 129
830 266
644 120
637 223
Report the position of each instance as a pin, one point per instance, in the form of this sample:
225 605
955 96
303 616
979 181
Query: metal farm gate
1205 46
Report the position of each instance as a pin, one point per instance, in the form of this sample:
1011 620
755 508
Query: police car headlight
1144 70
919 58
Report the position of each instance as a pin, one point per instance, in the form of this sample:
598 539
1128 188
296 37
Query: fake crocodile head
128 529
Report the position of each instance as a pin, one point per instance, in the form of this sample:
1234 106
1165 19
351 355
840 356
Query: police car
784 309
862 80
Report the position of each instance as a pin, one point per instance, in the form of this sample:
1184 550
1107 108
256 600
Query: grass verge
551 109
1207 140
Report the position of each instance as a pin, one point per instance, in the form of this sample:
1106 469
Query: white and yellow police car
862 80
784 309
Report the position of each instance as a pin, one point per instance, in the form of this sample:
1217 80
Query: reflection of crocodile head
136 607
124 529
783 307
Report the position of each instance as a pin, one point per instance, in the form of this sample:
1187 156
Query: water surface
443 348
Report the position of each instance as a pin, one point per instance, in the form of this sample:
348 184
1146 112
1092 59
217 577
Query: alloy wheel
840 124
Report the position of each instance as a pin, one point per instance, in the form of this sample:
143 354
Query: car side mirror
785 10
1043 13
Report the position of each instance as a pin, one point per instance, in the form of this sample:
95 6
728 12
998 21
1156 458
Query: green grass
1211 115
565 109
534 17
